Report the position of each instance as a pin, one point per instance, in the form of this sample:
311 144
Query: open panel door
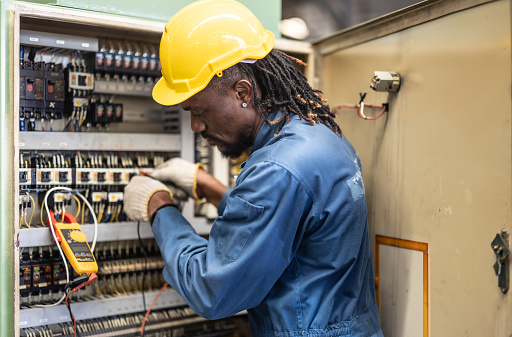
437 166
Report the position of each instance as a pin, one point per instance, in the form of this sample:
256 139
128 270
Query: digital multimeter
74 244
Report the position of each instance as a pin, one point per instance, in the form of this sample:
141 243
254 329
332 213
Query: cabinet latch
501 266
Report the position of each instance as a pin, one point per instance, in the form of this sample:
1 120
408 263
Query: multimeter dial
78 236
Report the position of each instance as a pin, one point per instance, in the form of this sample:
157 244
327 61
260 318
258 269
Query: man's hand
180 172
138 194
191 178
178 195
158 199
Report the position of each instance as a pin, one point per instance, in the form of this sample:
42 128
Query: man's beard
235 149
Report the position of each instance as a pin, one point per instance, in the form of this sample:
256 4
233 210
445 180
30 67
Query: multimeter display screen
79 248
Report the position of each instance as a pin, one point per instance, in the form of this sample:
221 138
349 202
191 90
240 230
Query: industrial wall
437 167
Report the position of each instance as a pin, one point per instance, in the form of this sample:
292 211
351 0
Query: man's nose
197 125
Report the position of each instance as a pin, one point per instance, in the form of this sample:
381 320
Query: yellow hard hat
202 40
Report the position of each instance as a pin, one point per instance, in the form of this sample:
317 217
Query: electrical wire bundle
362 105
80 282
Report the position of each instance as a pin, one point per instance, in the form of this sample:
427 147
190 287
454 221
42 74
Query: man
291 242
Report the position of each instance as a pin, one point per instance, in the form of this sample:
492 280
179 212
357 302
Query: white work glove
178 195
180 172
137 194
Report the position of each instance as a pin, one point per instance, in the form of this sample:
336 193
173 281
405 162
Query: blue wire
67 125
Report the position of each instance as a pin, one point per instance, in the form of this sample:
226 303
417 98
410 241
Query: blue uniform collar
265 133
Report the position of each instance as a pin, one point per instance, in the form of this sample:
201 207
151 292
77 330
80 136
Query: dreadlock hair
283 87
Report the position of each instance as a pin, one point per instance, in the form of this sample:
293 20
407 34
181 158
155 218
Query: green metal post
7 323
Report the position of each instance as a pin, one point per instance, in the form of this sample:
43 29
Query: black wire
143 248
32 54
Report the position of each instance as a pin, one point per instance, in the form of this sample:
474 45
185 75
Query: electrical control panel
86 124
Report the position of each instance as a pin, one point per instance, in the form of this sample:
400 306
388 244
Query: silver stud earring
244 105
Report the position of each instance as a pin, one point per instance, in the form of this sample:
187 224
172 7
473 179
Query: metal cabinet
437 165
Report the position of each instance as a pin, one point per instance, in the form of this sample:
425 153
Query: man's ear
244 91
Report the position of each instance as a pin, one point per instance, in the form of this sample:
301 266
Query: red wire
357 107
72 316
371 106
151 306
93 277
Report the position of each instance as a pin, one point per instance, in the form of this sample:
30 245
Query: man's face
221 119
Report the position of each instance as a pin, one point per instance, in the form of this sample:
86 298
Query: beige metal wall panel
437 168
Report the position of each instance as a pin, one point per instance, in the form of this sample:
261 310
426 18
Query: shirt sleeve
223 202
249 247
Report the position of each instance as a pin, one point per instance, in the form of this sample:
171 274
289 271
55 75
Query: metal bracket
501 266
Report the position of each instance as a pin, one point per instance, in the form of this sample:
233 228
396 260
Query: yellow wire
118 211
42 211
100 215
78 203
113 287
113 215
83 214
21 218
33 208
97 289
26 224
121 283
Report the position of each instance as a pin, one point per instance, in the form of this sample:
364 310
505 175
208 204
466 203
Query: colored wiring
151 307
360 109
144 251
361 105
78 203
100 215
93 277
45 204
83 208
23 213
42 210
33 208
115 214
25 217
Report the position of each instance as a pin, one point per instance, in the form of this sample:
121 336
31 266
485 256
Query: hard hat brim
165 95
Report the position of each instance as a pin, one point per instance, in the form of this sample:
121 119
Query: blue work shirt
290 245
